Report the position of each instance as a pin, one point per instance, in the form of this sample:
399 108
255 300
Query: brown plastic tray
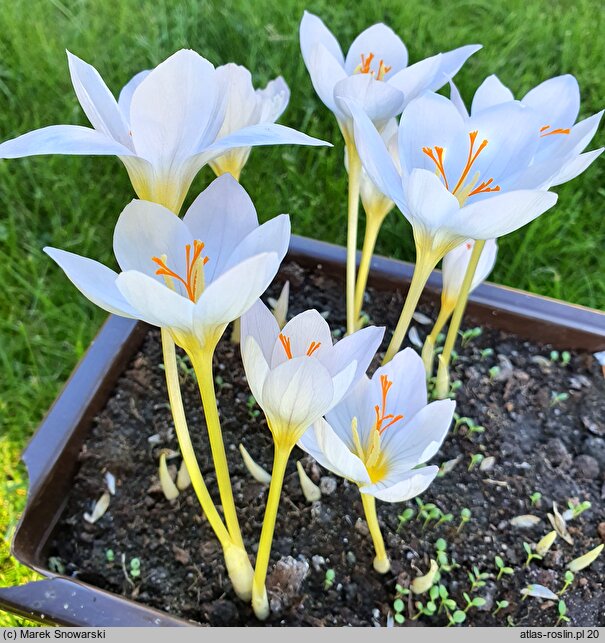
51 456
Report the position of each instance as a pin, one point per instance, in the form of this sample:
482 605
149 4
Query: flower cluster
461 178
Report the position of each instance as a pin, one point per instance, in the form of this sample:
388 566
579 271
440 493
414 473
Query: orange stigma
192 268
436 155
544 132
285 342
366 67
381 414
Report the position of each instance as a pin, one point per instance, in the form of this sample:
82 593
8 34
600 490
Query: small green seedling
135 567
554 356
404 517
472 426
456 618
329 578
253 413
470 334
486 352
447 603
562 613
568 578
530 554
577 510
477 578
465 516
557 398
493 372
220 383
535 499
398 607
424 610
110 556
476 460
502 569
500 605
444 518
565 358
477 601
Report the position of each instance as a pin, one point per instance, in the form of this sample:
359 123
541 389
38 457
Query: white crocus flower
379 434
374 72
454 179
191 276
454 268
296 375
245 106
163 127
559 156
375 76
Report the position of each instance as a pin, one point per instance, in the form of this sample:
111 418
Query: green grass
72 203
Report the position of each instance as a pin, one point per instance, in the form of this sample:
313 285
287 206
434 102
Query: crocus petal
343 381
325 71
374 155
296 394
450 64
402 487
125 97
322 443
274 99
386 46
175 110
430 204
415 79
156 303
557 100
97 101
302 330
420 437
378 99
261 134
501 214
491 92
233 293
146 230
576 167
221 217
360 346
255 365
357 404
259 322
428 121
314 31
408 394
62 139
271 236
94 280
457 101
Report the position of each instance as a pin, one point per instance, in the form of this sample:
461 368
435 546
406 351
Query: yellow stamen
285 342
194 277
559 130
356 440
366 67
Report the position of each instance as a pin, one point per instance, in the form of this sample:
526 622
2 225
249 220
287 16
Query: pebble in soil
544 426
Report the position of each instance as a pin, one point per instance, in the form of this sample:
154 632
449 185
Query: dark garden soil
544 425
